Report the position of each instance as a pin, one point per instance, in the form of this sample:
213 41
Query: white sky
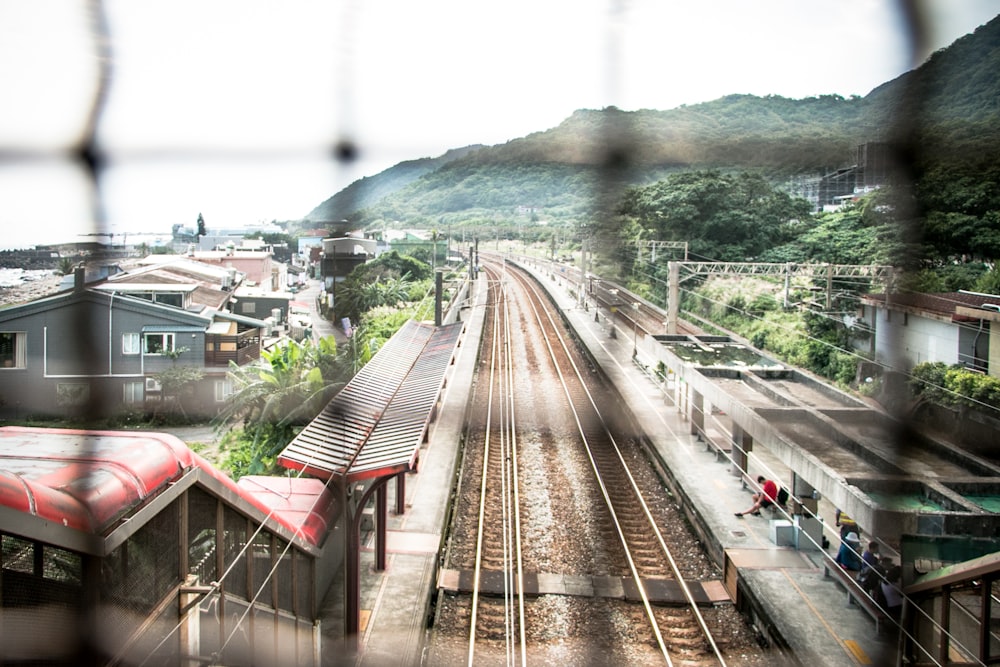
230 107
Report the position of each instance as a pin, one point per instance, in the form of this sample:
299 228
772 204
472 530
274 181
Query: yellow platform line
859 654
851 647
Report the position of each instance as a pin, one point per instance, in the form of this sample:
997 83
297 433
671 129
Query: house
261 304
101 348
950 327
256 265
340 256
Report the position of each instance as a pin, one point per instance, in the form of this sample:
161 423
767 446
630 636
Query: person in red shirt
767 496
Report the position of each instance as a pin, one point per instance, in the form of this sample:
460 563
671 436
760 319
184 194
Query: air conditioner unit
153 385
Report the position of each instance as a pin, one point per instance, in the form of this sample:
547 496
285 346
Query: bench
718 442
855 595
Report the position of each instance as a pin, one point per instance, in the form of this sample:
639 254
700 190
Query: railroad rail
499 551
613 302
501 610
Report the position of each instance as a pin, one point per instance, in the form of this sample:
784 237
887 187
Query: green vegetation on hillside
725 176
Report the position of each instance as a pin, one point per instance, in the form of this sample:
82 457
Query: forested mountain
370 189
942 119
950 105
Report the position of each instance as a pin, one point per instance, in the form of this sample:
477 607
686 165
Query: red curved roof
89 480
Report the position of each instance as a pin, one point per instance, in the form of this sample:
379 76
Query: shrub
954 385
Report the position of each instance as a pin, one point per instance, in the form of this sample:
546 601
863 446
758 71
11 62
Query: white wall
920 339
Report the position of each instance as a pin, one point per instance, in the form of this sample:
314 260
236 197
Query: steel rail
501 410
542 300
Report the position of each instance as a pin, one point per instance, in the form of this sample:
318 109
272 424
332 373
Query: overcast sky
230 108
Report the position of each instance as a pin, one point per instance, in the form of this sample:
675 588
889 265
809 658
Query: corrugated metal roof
375 425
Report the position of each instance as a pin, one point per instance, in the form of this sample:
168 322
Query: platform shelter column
801 488
697 412
742 446
401 493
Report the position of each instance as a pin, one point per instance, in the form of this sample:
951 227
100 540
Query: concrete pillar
742 446
800 487
190 622
697 413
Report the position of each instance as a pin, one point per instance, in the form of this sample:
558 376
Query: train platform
396 602
787 586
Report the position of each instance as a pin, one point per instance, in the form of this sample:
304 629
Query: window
170 299
248 307
158 343
223 390
133 392
130 343
13 349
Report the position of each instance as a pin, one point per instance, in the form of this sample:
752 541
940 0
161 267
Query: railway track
498 533
618 305
554 494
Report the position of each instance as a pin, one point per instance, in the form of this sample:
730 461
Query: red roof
89 480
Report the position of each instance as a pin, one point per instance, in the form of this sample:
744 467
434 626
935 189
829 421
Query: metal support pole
381 518
673 291
829 287
401 493
438 296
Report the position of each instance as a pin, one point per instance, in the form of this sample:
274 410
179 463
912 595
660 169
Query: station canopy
374 427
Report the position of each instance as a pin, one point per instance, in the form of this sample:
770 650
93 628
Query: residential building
101 348
950 327
340 256
256 265
873 167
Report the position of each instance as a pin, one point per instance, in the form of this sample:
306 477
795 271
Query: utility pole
673 295
438 295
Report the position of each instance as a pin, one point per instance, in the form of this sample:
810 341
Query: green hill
371 189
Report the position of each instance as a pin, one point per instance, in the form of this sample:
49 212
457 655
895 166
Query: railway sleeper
659 591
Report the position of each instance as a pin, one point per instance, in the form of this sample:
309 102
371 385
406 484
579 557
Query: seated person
765 498
849 556
872 571
845 523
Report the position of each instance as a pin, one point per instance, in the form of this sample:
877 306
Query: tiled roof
943 303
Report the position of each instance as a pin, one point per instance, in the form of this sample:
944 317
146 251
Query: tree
66 266
273 398
989 282
177 382
383 292
723 217
385 280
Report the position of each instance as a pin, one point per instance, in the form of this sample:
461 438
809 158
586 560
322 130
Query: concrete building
950 327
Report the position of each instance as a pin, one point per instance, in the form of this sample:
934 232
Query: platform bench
718 442
855 595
